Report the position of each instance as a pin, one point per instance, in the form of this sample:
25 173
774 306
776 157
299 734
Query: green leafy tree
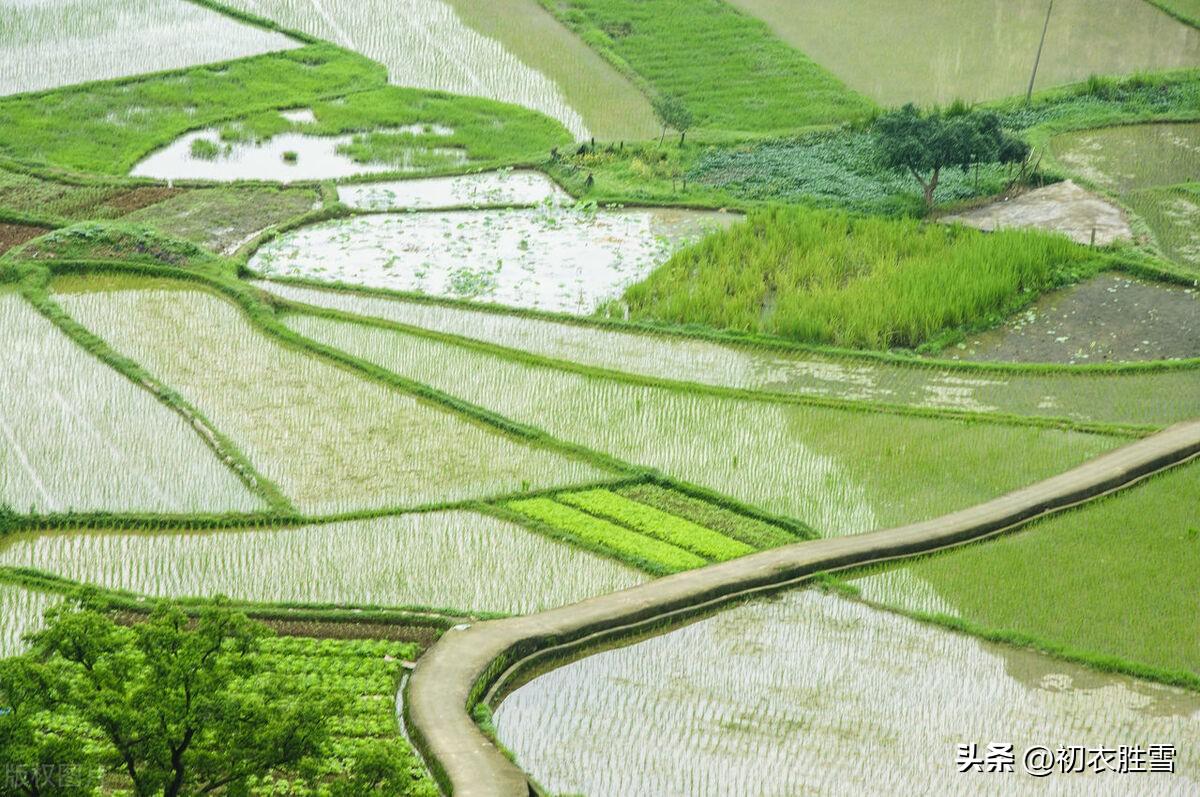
924 144
183 705
34 763
674 114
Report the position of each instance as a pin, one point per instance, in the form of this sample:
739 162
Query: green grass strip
622 542
753 532
658 524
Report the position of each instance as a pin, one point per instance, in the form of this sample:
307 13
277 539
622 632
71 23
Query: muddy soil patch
1063 207
13 235
1110 318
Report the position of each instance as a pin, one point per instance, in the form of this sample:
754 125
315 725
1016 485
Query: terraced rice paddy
437 559
1126 572
810 693
284 158
434 193
1157 397
1131 157
49 43
548 258
910 51
77 435
21 613
841 471
487 54
330 439
1173 213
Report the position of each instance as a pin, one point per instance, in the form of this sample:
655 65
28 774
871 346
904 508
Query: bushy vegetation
827 277
755 533
116 241
658 524
728 69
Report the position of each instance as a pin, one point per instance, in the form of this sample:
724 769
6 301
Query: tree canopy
674 114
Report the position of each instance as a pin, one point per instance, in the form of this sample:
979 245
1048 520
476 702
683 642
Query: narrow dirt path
471 660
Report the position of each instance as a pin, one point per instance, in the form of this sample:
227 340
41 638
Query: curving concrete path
469 662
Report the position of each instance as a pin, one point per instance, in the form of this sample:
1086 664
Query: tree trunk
930 188
682 135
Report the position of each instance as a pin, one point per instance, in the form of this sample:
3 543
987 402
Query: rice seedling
825 277
53 43
1126 571
505 187
809 693
653 522
330 439
21 613
596 533
755 533
77 435
1173 214
840 471
909 51
566 259
1131 157
1133 397
728 69
434 559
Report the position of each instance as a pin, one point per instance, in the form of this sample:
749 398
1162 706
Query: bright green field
729 69
1119 576
840 471
824 277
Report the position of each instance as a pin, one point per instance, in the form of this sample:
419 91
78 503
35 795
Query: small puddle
809 693
432 193
549 258
284 158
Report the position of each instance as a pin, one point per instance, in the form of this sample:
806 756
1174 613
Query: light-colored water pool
549 258
432 193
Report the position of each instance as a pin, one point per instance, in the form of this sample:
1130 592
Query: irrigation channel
480 663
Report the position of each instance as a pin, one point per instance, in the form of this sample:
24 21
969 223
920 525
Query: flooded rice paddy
1130 157
548 258
824 466
810 693
21 613
77 435
509 50
898 51
45 44
284 158
457 560
1173 213
433 193
1162 397
330 439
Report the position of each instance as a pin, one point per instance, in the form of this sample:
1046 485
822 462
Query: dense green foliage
1126 570
658 524
729 70
593 532
755 533
828 277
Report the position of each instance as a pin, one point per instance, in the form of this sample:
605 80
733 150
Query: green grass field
870 283
1118 577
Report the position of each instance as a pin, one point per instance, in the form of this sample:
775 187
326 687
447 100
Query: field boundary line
469 663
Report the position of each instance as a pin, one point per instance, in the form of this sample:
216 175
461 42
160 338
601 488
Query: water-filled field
20 614
1157 397
484 52
911 51
75 434
841 471
458 560
1130 157
49 43
330 439
809 693
432 193
1173 213
549 258
1126 570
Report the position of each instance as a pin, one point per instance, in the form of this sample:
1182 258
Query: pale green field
898 51
77 435
457 560
1130 157
20 614
50 43
840 471
331 440
1163 397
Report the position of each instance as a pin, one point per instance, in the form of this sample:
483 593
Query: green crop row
755 533
655 523
593 532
